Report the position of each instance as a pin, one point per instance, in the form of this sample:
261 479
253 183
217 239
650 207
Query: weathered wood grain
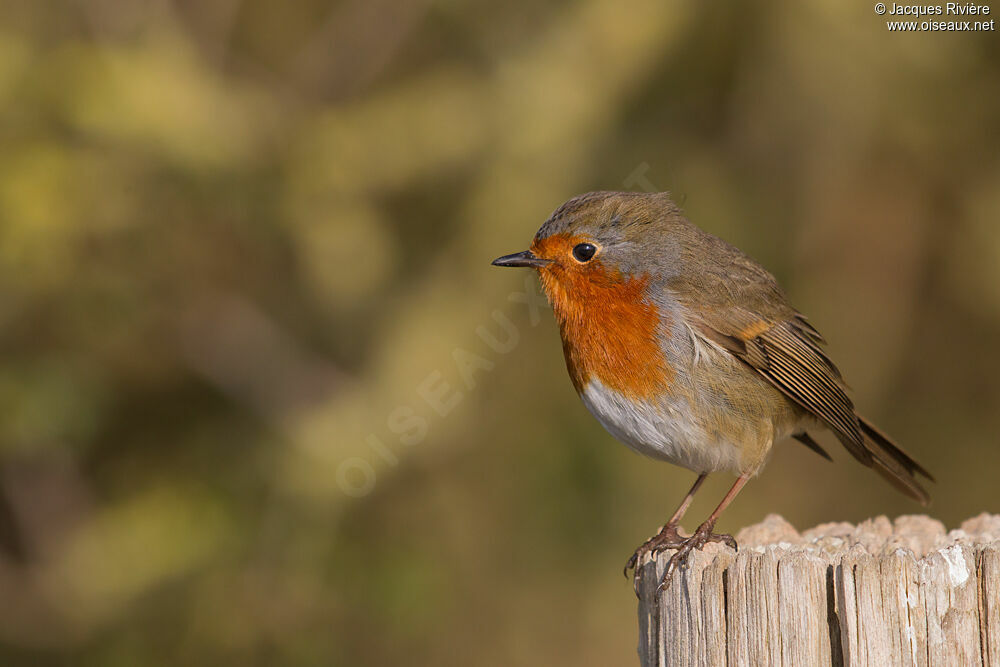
903 592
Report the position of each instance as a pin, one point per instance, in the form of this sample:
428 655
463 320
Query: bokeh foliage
242 241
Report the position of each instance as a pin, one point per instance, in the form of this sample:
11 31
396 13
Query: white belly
666 430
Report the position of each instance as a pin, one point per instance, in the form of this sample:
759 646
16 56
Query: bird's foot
667 538
701 537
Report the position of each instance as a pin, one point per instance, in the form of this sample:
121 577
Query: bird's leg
668 537
703 535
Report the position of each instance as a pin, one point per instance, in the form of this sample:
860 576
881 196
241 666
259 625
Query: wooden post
881 593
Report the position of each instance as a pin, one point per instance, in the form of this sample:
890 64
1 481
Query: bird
688 351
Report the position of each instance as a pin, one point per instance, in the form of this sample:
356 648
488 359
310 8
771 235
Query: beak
525 258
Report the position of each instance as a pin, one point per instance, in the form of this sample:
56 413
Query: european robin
688 351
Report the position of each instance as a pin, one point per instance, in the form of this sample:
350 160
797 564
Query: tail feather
896 451
807 440
893 464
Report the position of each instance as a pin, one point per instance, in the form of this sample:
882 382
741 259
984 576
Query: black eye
583 252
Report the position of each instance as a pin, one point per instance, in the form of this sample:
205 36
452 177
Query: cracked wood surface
904 592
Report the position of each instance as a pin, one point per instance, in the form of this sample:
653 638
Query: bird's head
598 256
599 241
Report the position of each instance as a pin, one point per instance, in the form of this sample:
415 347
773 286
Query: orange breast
609 330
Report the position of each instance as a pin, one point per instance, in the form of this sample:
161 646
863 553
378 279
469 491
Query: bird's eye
583 252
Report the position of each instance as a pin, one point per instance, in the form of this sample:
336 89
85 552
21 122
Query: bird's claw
701 537
667 538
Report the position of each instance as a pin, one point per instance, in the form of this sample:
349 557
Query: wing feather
734 302
788 361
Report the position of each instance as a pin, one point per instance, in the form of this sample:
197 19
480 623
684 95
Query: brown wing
737 304
788 355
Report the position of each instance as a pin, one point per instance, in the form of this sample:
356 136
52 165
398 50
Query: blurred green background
244 269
